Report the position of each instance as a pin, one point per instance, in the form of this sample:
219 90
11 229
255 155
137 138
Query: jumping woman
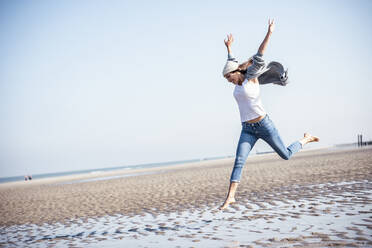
256 124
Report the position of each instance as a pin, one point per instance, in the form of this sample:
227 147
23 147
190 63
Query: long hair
243 66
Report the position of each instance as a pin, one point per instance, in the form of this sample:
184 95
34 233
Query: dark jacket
273 73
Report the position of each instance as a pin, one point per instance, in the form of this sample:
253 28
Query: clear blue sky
92 84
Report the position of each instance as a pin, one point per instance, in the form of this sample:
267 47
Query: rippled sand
268 184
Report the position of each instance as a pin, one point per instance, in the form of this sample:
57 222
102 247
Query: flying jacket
273 73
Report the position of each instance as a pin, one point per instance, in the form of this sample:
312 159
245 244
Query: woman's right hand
229 40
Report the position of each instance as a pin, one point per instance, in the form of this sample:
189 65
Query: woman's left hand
271 25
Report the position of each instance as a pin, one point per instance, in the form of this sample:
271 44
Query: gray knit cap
231 65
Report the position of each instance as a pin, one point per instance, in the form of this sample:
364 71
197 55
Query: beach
162 200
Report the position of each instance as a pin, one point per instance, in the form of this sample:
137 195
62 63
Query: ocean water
140 166
100 170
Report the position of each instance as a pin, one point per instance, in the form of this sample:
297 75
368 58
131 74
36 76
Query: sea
140 166
100 170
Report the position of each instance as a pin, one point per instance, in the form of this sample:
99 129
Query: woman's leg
272 137
246 142
245 145
230 198
276 142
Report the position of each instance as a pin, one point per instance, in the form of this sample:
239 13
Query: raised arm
228 42
264 43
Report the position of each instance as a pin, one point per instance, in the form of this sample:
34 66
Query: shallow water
111 177
313 215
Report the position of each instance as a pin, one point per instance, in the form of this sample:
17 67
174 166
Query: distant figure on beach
256 123
28 177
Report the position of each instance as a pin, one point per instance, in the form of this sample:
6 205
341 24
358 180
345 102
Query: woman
256 123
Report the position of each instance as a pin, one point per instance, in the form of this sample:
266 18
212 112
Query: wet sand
267 181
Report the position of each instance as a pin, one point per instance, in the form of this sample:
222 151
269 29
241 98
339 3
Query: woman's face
234 77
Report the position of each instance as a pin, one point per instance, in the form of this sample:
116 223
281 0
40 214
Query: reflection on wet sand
318 215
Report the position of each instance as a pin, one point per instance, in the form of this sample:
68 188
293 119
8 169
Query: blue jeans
251 132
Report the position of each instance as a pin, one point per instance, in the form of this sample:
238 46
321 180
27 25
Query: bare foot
311 138
227 202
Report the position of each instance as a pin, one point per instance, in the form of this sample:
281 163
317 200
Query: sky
96 84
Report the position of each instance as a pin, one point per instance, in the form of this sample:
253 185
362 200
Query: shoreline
90 176
120 172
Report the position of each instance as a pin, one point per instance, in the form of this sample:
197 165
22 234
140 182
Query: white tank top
248 98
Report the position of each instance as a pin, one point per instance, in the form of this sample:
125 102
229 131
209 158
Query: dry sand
177 188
